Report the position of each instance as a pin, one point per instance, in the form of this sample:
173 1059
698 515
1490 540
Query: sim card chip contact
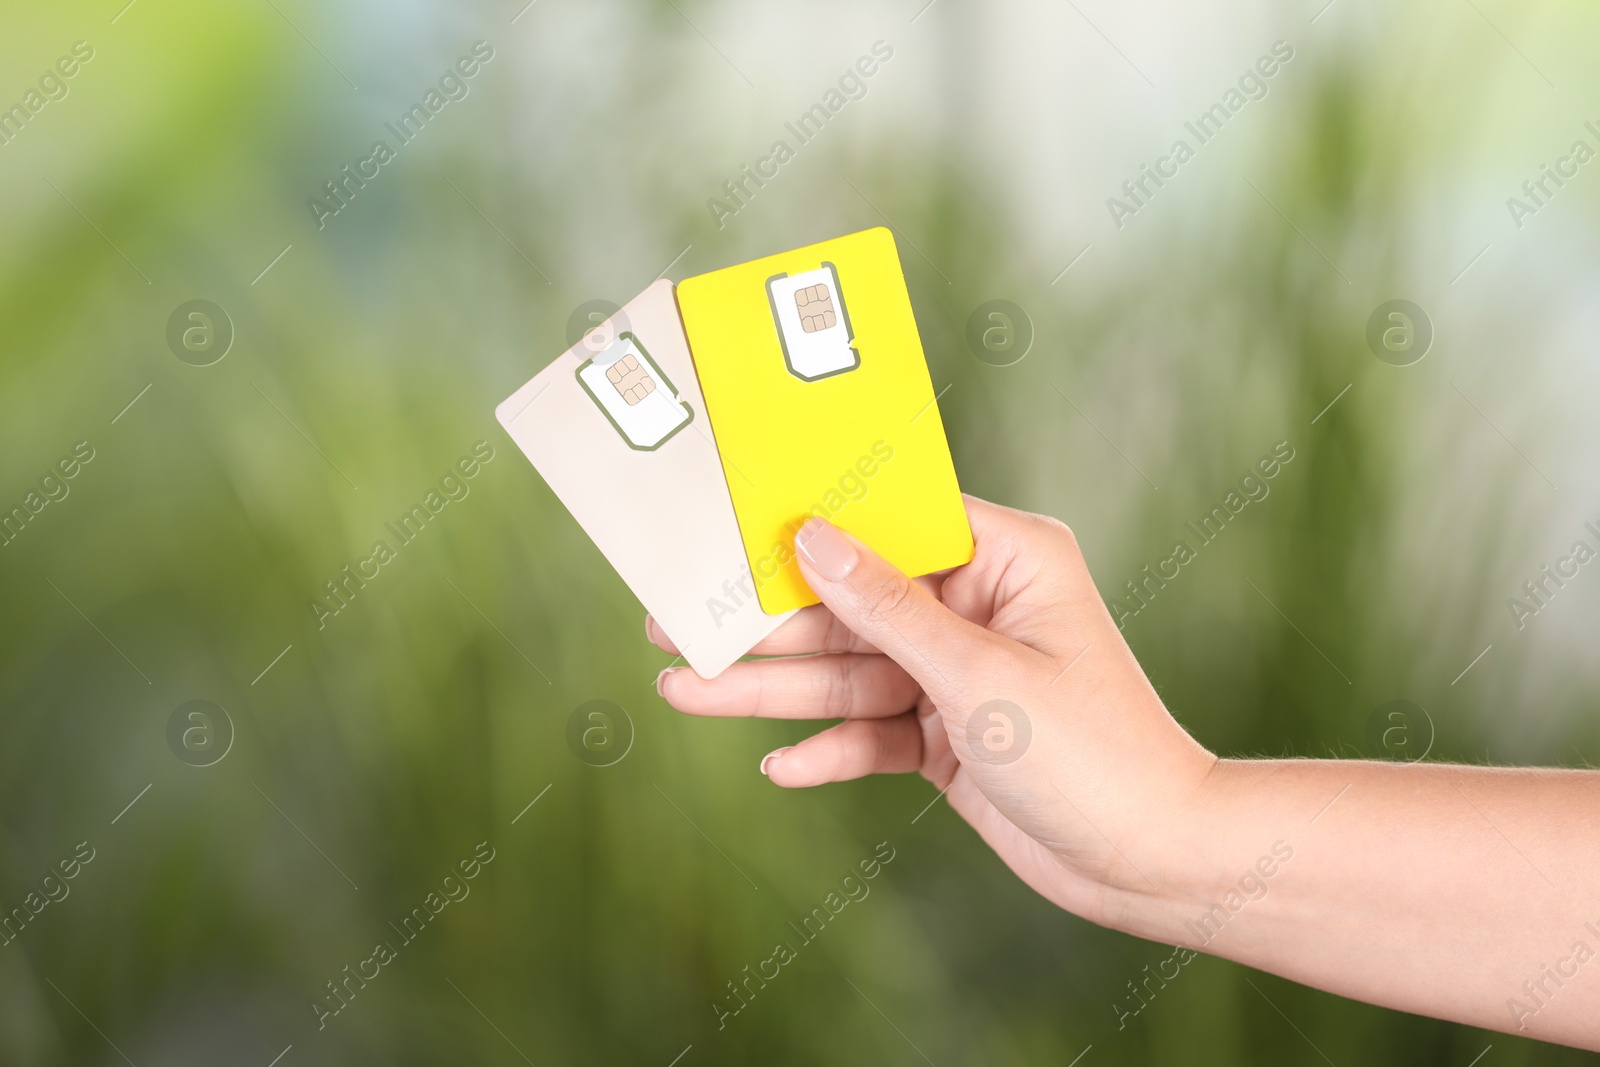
630 379
815 305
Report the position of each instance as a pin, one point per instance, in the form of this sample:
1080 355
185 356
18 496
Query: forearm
1467 893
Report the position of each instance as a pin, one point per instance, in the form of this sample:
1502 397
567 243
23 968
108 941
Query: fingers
846 685
658 637
991 521
1027 581
808 631
811 629
849 750
945 653
1030 550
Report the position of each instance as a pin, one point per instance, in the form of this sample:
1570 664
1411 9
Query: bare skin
1451 891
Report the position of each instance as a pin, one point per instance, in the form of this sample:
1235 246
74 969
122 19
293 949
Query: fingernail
661 678
827 549
649 629
772 756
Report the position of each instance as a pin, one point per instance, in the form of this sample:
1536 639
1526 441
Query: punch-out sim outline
842 317
651 370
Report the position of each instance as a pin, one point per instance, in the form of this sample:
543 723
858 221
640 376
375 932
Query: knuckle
758 682
839 637
861 747
839 688
1056 531
886 597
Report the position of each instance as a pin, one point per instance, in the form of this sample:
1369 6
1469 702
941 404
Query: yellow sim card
818 395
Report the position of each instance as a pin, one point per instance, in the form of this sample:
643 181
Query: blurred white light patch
813 325
635 396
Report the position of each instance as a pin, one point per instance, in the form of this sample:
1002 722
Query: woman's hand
1460 892
1005 684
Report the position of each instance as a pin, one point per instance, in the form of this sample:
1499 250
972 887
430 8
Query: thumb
945 653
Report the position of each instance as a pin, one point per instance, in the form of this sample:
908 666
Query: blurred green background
374 754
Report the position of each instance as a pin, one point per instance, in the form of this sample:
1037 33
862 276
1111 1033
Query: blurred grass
412 727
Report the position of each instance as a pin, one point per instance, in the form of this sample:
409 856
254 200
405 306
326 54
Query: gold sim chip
630 379
815 304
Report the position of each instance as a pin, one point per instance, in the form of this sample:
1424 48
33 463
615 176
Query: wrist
1223 850
1195 855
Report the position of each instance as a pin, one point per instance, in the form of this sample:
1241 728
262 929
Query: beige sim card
616 425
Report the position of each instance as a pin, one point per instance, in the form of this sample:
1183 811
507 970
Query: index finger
811 629
944 652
